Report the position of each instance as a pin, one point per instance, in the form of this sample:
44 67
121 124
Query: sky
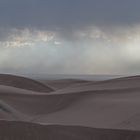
70 36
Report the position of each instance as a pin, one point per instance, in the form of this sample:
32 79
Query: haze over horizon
70 36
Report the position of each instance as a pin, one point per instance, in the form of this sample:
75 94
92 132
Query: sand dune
22 82
36 104
27 131
102 110
7 112
119 84
62 83
110 104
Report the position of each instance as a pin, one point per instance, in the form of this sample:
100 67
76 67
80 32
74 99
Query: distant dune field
112 106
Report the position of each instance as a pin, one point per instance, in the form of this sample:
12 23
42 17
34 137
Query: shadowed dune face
24 83
27 131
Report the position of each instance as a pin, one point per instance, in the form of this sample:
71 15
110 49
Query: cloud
25 38
70 36
93 50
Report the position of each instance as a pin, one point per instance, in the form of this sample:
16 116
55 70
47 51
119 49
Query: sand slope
119 84
27 131
110 104
62 83
24 83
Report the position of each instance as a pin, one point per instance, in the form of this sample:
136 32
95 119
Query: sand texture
69 109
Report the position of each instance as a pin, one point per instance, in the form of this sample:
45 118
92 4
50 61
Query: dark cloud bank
68 13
